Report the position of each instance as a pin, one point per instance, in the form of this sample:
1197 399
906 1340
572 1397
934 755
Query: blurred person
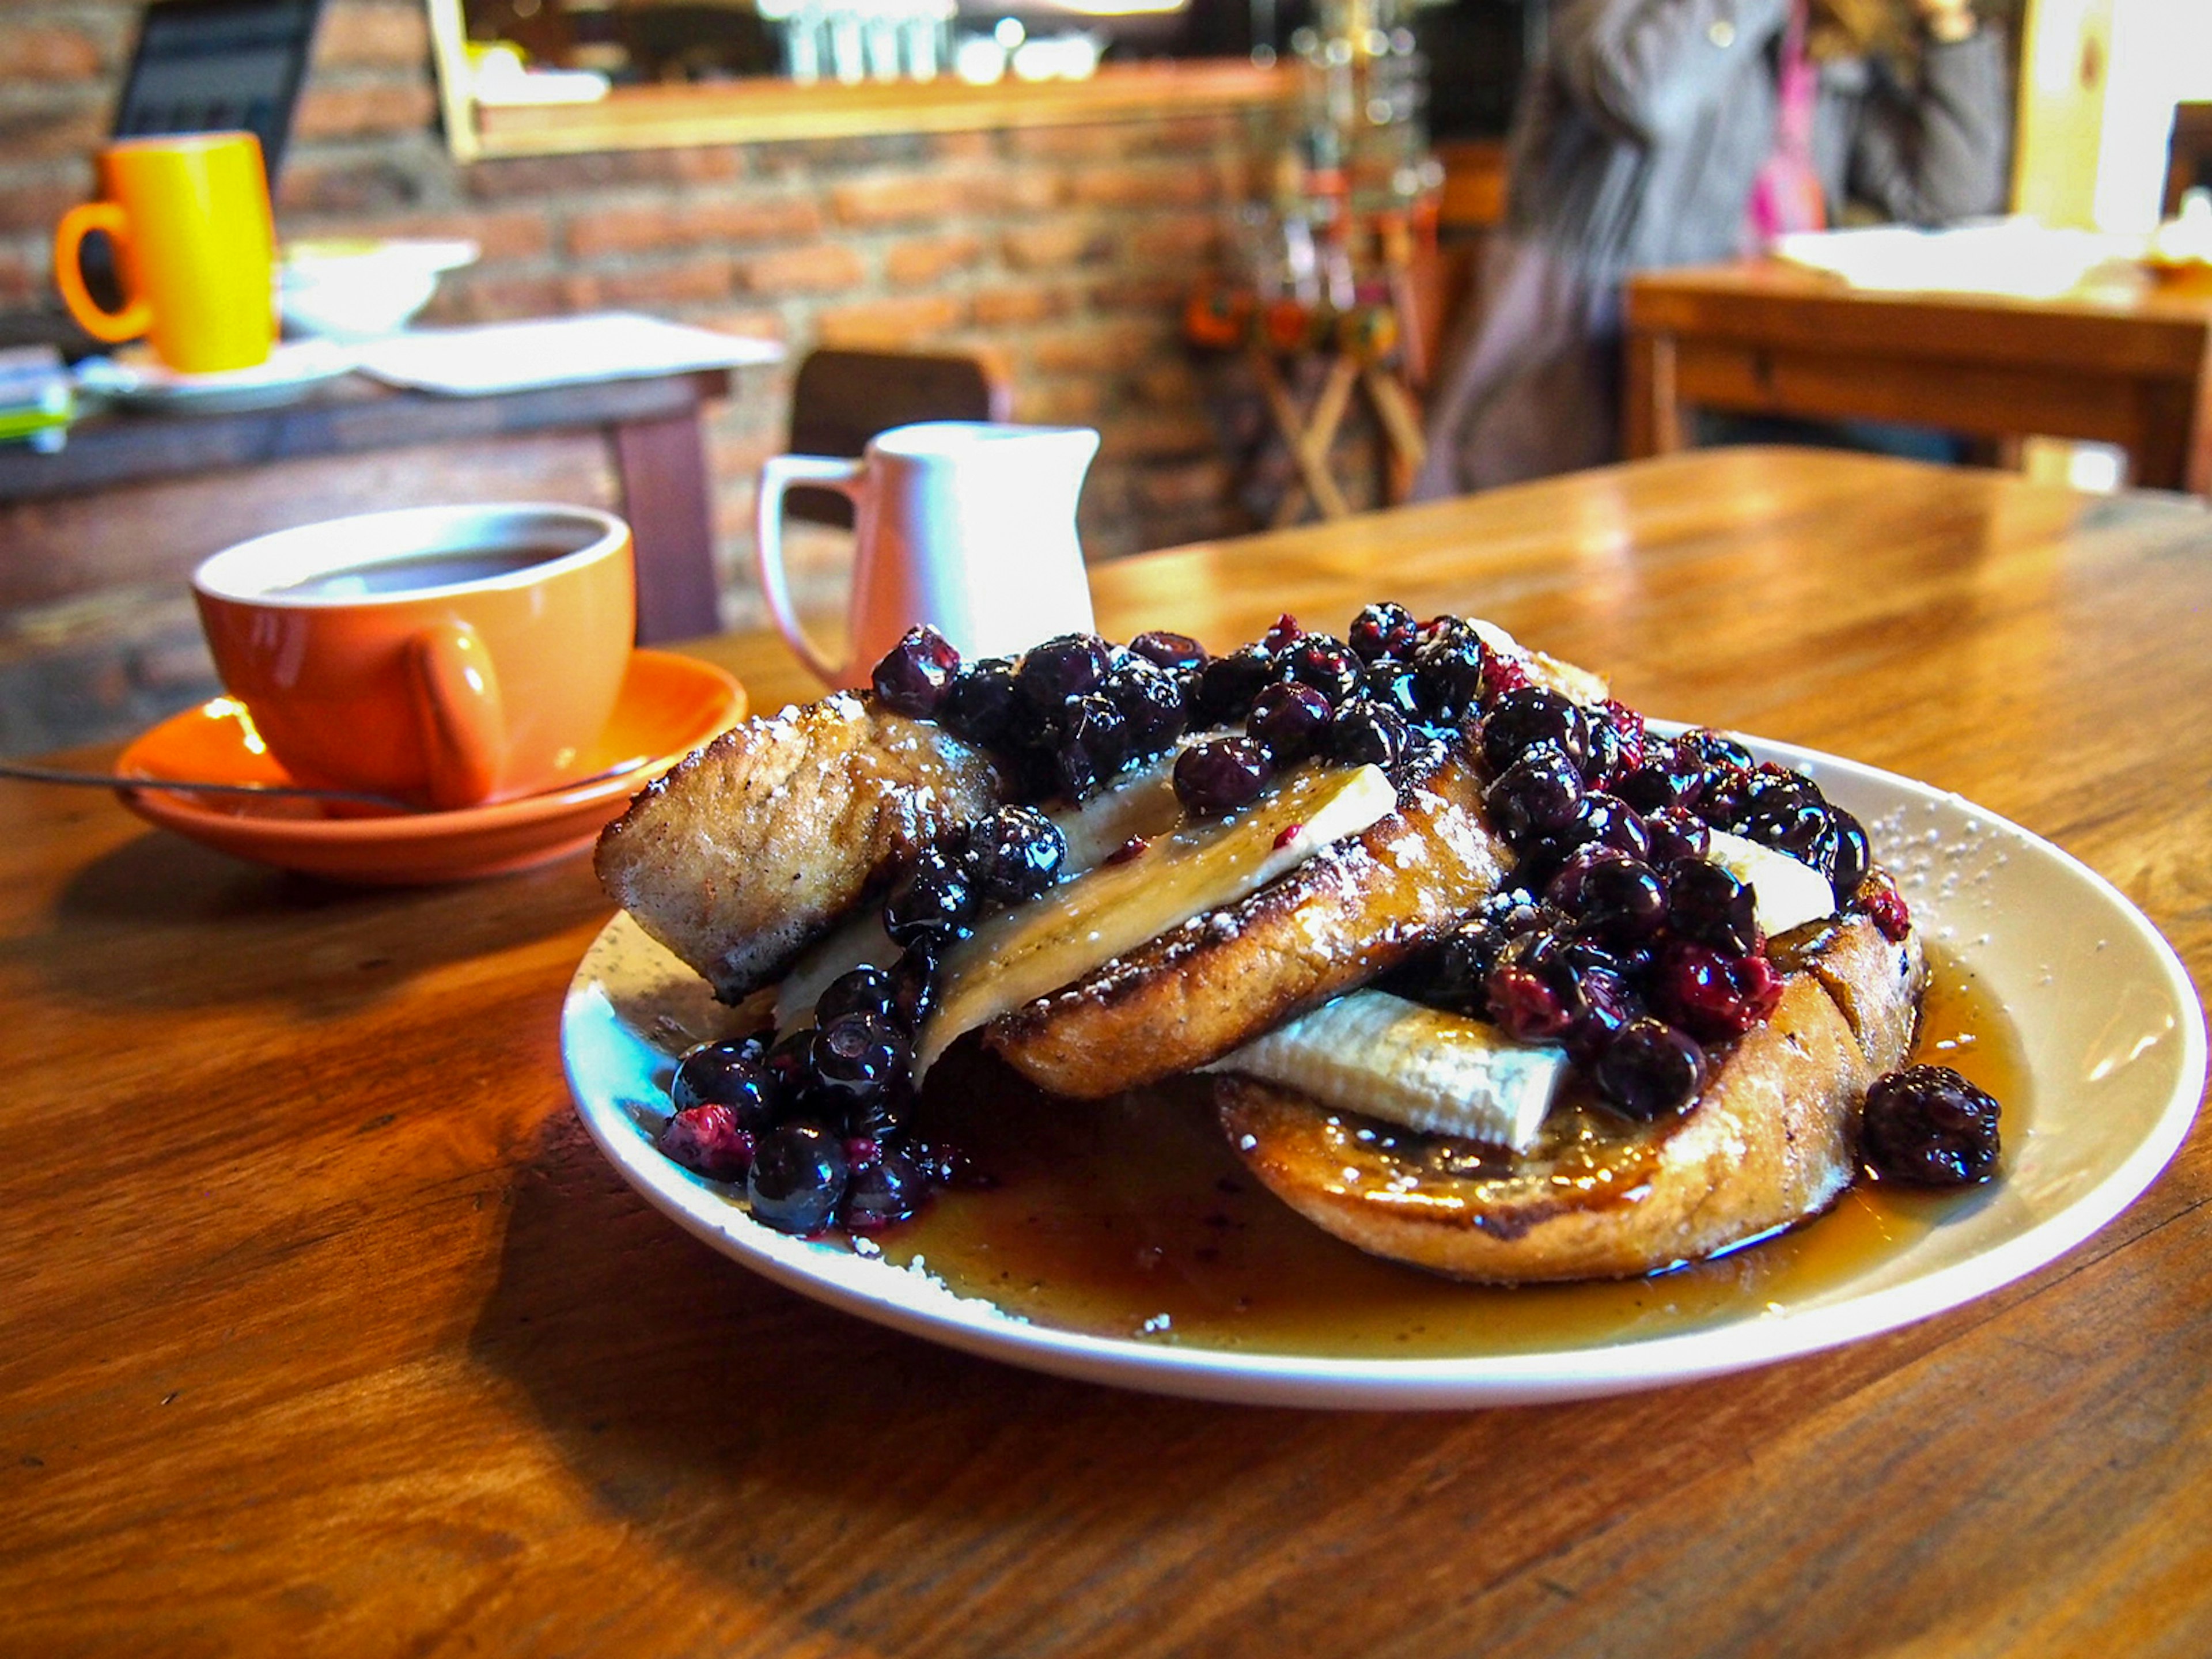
1676 132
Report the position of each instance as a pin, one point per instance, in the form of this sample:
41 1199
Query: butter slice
1784 893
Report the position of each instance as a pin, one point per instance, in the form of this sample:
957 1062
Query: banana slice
1784 893
1204 864
1441 1073
1139 807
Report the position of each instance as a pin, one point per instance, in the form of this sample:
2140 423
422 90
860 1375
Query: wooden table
1772 338
652 424
326 1331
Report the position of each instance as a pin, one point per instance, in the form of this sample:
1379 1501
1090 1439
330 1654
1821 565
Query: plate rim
1459 1381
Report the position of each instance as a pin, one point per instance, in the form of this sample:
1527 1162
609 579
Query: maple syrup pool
1131 1217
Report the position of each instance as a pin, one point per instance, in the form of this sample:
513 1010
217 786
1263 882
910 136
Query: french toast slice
1337 920
1771 1141
749 850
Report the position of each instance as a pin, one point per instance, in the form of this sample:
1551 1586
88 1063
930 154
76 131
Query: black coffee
438 568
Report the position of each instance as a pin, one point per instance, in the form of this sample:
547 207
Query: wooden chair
842 398
2189 154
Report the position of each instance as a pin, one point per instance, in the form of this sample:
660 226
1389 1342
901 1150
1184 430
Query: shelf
667 117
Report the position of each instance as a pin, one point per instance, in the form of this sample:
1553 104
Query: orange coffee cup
449 656
196 246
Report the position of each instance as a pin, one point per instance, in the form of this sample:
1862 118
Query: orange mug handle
458 712
137 316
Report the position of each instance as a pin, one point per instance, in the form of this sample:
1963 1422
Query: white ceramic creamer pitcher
967 526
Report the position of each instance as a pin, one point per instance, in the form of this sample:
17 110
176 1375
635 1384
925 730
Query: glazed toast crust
751 848
1770 1142
1206 988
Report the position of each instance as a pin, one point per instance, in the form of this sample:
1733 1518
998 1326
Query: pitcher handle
777 477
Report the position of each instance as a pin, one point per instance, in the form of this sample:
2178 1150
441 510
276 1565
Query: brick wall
1064 251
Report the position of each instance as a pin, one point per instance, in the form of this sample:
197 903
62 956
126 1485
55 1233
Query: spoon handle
116 780
276 790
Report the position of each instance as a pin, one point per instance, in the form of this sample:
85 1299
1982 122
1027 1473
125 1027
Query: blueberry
1602 764
1153 704
726 1074
1393 685
1061 668
1711 996
1930 1126
933 897
1524 990
1286 720
1327 665
708 1140
1362 734
1383 631
1799 828
914 675
1778 786
1619 738
1612 896
1604 820
1647 1068
856 1057
1599 1003
1093 742
1448 671
1017 852
1722 794
914 981
1221 775
1451 973
865 990
1709 906
1850 858
790 1075
1522 719
1227 685
1703 750
1657 785
1169 650
980 705
884 1191
798 1177
1676 833
1535 795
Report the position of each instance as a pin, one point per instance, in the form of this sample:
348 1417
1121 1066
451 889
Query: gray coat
1635 147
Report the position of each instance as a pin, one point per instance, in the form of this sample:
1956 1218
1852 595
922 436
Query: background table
652 424
325 1330
1772 338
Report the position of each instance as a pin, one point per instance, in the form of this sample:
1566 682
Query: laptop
198 66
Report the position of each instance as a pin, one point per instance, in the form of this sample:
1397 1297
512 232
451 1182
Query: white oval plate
2112 1032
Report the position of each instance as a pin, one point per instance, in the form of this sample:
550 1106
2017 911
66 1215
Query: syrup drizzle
1131 1217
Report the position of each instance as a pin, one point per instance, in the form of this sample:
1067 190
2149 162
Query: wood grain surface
325 1331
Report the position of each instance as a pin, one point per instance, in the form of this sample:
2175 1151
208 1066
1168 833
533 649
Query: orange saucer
669 706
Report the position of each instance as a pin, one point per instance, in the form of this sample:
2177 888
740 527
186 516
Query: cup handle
113 327
777 477
458 713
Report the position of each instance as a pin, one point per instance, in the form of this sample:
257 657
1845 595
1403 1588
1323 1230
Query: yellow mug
196 245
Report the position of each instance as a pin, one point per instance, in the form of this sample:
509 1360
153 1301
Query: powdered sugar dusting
1943 854
929 1289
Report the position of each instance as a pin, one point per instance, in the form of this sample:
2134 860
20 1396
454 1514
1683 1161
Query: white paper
498 357
2013 257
